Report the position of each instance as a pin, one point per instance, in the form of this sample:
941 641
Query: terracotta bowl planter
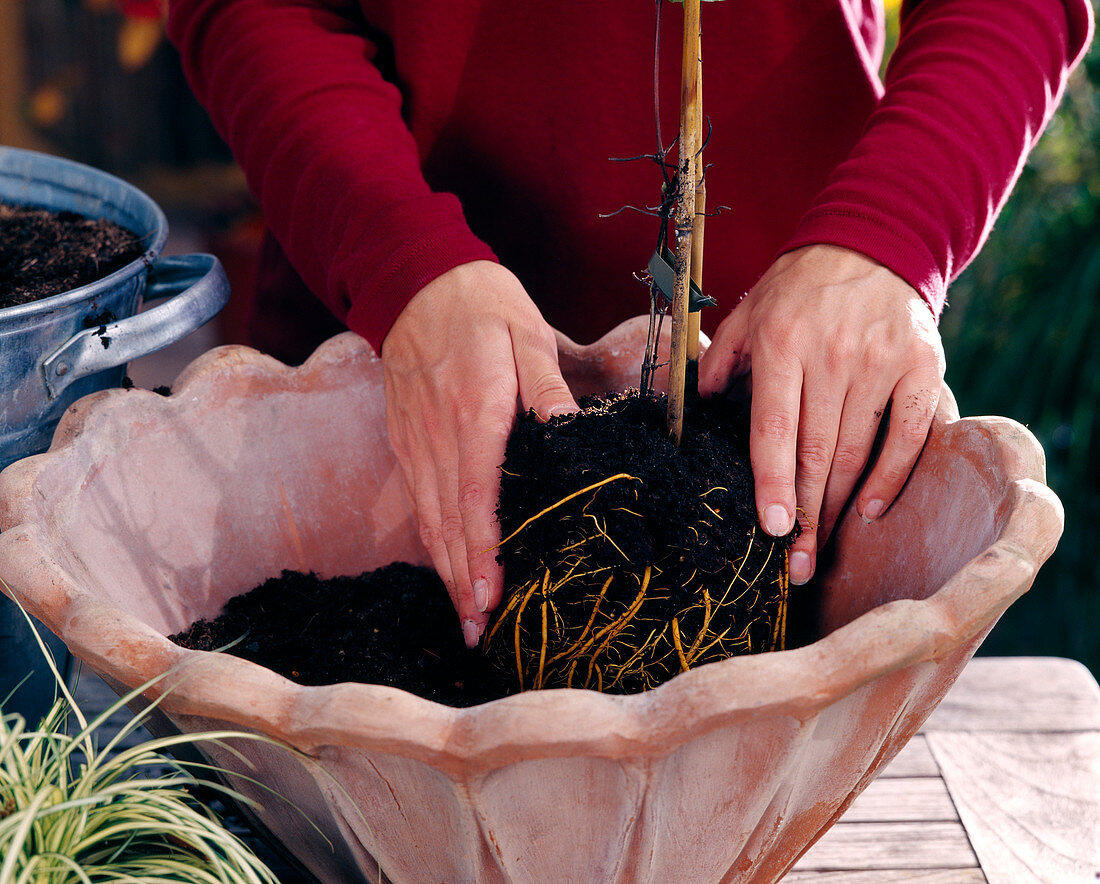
149 512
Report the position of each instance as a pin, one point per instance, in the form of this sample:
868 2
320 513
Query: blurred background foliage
98 82
1021 334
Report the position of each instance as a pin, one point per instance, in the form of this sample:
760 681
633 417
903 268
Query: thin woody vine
631 546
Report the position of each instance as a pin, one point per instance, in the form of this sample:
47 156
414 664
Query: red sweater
390 140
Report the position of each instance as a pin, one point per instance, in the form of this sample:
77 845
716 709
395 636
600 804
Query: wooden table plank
890 876
1038 694
914 760
1030 802
890 846
1014 751
903 800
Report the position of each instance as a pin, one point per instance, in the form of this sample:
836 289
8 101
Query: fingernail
801 568
470 633
872 510
777 521
481 594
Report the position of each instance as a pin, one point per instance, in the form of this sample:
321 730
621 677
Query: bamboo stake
699 223
685 218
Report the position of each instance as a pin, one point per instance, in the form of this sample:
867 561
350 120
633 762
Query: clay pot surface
150 512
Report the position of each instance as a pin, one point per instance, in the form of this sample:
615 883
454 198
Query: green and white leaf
71 811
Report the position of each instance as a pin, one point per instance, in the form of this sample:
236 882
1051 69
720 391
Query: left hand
830 338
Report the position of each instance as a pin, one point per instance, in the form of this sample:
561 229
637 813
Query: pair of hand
825 342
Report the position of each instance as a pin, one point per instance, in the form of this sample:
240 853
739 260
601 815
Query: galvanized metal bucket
60 348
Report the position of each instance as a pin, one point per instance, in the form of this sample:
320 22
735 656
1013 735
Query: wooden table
1001 785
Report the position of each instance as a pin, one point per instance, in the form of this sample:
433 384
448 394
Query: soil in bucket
44 253
629 560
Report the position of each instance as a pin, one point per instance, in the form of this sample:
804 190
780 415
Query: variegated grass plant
74 811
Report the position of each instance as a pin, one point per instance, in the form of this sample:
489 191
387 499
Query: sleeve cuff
418 261
880 239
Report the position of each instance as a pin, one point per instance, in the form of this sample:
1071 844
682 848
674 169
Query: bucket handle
197 288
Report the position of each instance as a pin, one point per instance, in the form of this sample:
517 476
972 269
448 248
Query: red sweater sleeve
291 86
968 91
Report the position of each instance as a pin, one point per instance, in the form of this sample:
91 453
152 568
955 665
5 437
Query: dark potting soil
44 253
396 626
626 433
656 568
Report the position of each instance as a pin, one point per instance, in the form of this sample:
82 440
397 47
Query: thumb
541 386
726 356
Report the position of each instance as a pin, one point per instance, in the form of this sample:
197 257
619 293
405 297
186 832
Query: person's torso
517 108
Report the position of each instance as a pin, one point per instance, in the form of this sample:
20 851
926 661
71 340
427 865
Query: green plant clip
663 270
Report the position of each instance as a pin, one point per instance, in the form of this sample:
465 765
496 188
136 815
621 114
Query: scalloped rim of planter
798 683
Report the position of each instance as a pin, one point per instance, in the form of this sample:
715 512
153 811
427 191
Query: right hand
454 362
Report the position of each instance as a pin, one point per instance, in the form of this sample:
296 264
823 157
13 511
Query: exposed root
578 624
563 501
